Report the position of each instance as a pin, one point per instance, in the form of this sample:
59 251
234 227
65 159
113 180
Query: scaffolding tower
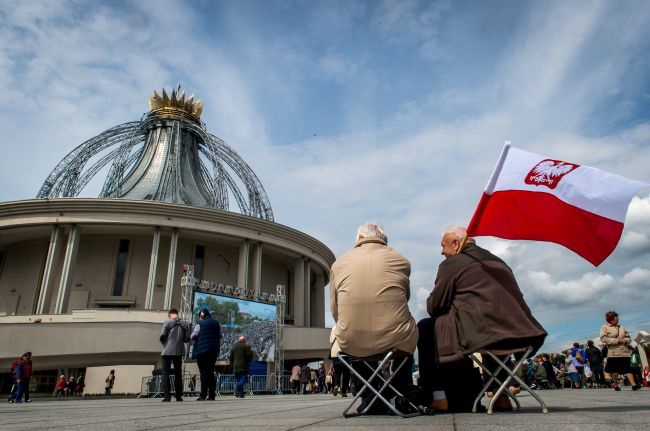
280 300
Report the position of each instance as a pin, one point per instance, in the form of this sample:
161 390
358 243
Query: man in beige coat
369 293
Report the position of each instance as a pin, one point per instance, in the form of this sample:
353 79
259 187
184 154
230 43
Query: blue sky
391 111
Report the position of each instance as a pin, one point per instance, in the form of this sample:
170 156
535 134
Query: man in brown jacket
475 303
369 293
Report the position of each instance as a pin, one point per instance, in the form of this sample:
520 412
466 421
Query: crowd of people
68 387
260 335
584 366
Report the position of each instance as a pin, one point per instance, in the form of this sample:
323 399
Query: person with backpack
579 361
595 358
207 343
21 373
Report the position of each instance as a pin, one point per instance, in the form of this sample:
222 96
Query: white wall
128 378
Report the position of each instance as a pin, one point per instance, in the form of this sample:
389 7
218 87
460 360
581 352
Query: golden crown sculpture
169 106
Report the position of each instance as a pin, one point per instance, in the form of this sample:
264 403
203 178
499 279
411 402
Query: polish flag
542 199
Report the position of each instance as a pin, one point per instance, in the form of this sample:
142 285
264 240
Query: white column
298 305
256 282
153 265
53 253
68 261
242 274
171 266
307 300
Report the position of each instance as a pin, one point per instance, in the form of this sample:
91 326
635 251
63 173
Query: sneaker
617 389
440 405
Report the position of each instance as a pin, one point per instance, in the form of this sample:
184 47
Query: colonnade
304 294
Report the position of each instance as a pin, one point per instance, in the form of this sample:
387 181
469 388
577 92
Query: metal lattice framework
165 157
281 301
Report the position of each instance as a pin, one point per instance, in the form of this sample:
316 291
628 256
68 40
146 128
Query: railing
152 387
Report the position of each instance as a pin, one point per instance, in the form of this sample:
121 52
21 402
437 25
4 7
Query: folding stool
512 374
376 374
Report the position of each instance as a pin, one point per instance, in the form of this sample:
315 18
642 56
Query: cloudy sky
391 111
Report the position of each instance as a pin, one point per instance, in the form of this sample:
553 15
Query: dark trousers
341 377
460 380
599 374
20 390
240 379
177 361
206 362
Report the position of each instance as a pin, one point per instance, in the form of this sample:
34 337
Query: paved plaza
581 410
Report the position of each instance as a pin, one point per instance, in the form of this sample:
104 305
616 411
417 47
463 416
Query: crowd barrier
152 387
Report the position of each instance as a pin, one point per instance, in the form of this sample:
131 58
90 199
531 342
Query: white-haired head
456 232
452 239
368 230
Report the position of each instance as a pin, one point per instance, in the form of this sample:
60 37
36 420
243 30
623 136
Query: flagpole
489 188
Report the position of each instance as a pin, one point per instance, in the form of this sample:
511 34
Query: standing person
579 360
595 359
617 339
72 386
646 376
329 380
61 384
109 382
175 333
321 378
20 378
295 379
240 358
305 375
81 384
28 374
207 341
341 378
22 372
26 360
635 365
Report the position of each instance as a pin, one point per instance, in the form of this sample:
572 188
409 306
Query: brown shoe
440 405
502 404
514 390
335 391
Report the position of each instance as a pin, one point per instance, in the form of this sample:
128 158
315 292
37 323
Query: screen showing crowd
255 320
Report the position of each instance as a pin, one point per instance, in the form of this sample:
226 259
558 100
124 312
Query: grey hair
456 232
367 230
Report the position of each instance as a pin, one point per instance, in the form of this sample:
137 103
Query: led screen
254 320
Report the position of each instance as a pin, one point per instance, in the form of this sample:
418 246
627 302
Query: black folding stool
512 374
376 374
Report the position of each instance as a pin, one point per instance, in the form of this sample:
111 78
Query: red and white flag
542 199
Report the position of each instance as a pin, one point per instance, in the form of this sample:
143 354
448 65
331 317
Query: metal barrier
151 386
